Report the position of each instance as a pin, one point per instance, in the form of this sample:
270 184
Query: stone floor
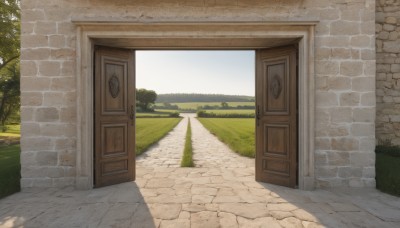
218 194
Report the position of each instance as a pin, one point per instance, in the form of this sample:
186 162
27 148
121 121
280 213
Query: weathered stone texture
344 66
387 70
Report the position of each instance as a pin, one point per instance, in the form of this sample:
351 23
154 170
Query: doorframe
88 31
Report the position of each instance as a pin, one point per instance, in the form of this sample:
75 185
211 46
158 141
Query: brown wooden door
114 120
276 130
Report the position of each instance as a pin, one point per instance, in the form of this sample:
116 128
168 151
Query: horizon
197 72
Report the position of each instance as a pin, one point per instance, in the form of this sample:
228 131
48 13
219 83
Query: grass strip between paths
150 130
187 158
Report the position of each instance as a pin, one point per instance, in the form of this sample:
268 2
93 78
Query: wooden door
276 130
114 116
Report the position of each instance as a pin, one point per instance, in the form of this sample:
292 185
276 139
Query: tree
9 32
224 105
144 98
9 59
9 93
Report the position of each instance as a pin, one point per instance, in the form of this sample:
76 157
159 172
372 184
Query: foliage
187 158
9 55
9 170
205 114
158 114
144 98
194 106
166 105
238 134
9 32
224 105
393 151
9 92
150 130
195 97
387 167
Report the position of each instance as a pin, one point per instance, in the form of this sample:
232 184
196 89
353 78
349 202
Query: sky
215 72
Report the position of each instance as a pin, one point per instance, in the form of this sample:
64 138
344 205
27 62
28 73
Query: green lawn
194 105
12 131
237 133
151 130
9 170
187 158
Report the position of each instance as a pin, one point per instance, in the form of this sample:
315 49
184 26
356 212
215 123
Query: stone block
364 130
341 115
49 68
338 158
345 144
362 159
345 28
45 27
36 143
363 84
67 158
326 99
34 41
349 99
30 129
31 99
347 172
28 68
58 130
351 68
47 114
46 158
34 84
366 115
63 84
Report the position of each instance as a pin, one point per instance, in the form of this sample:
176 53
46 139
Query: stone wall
344 66
388 71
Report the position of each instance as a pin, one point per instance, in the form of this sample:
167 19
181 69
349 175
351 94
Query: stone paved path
216 195
168 151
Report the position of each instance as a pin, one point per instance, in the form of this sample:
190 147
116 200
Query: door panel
114 116
276 98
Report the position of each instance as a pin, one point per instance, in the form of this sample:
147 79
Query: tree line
196 97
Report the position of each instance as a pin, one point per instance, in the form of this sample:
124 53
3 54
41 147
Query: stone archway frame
192 35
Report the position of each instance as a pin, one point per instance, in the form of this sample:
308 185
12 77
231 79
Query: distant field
151 130
12 131
237 133
228 111
194 105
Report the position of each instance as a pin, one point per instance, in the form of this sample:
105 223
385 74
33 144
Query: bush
387 167
204 114
174 114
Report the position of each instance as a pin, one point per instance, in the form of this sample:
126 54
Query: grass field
151 130
187 158
194 105
9 170
237 133
12 131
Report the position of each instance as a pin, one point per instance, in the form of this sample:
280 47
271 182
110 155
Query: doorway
199 36
276 115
